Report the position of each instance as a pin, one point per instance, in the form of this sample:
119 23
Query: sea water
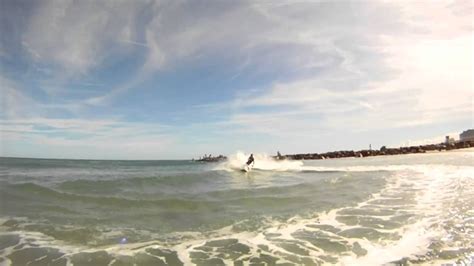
355 211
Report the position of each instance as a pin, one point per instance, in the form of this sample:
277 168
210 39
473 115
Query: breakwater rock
382 151
211 158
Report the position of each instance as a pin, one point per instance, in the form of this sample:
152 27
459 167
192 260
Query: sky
179 79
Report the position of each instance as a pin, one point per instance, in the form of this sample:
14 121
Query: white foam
431 184
262 162
267 163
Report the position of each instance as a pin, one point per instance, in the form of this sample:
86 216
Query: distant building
467 135
449 140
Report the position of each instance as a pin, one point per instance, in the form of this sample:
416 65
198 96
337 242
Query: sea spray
263 161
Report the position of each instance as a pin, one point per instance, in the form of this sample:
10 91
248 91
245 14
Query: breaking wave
262 162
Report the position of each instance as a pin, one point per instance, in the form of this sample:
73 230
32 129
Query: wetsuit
250 160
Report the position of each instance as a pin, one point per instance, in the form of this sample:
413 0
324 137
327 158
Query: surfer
250 160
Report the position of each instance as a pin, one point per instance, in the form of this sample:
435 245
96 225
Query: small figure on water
250 160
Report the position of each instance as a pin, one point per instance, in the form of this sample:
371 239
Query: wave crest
262 162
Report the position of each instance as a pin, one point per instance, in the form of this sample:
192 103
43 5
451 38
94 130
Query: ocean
401 210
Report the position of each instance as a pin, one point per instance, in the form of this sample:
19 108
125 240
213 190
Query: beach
256 133
401 209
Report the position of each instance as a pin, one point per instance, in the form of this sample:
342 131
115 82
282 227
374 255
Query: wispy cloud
86 138
14 103
135 43
293 70
430 140
76 36
420 80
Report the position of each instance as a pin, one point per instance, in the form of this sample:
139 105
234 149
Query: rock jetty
210 158
382 151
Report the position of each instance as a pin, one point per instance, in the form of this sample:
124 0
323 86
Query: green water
364 211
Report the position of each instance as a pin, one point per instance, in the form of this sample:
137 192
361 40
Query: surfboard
246 168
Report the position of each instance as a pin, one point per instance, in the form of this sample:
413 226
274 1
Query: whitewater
385 210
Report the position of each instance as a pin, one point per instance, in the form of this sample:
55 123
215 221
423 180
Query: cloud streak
80 138
293 71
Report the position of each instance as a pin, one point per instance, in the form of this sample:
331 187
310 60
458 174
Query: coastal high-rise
467 135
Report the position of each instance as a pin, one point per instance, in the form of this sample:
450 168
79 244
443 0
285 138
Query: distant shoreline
430 148
455 150
383 151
